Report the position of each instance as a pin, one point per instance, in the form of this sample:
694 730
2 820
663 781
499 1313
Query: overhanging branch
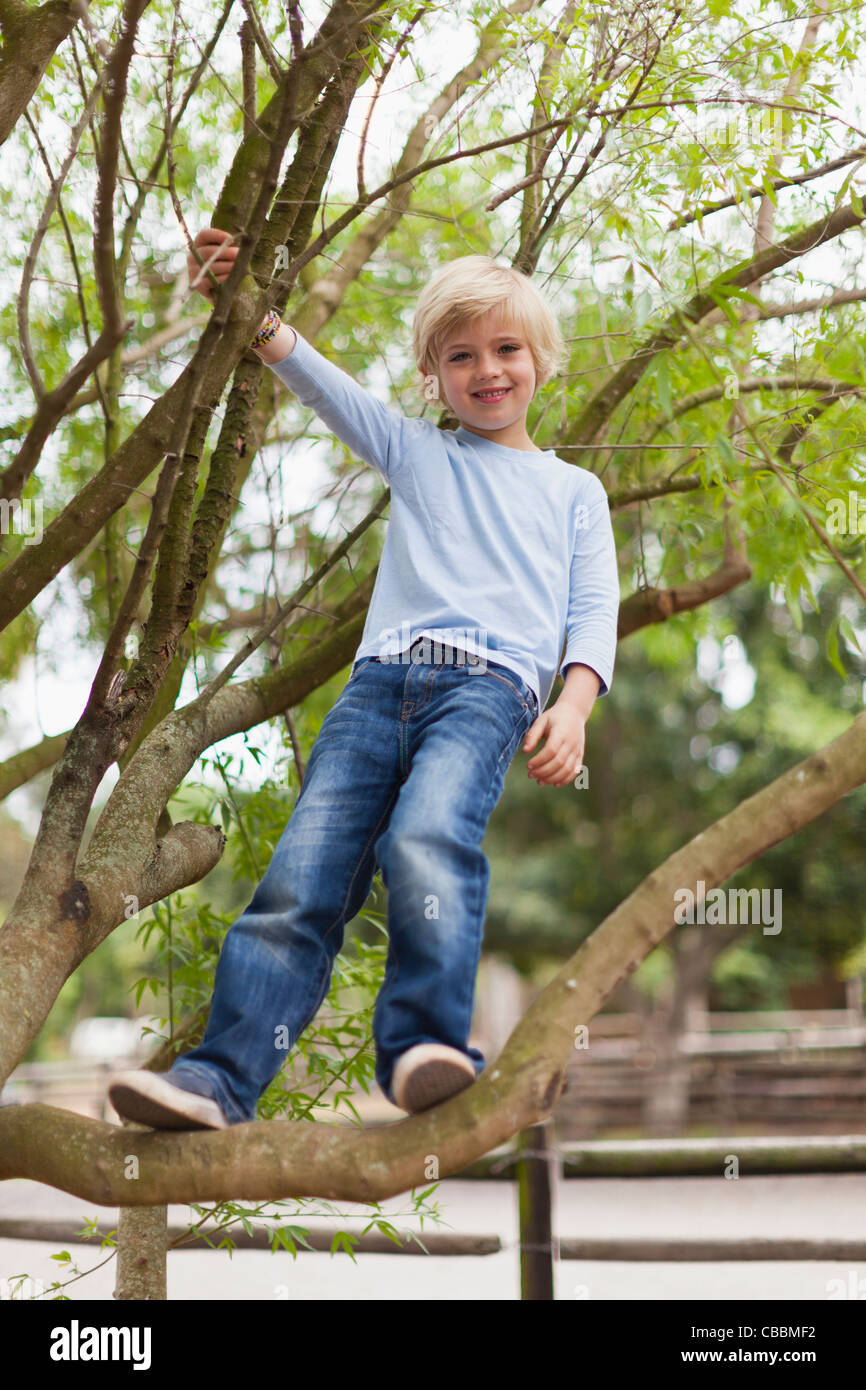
268 1161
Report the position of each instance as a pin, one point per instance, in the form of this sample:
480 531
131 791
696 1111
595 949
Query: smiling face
487 375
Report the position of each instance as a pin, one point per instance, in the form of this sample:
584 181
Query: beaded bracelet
268 330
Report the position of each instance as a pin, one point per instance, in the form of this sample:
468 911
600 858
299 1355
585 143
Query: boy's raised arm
366 425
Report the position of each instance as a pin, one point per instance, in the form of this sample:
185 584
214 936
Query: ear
429 385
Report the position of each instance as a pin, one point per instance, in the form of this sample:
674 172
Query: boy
494 550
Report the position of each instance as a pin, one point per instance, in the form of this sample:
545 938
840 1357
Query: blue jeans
407 767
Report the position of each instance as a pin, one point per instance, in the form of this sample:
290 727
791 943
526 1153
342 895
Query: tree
620 159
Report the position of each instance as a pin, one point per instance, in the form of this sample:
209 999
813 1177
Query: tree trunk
142 1246
666 1104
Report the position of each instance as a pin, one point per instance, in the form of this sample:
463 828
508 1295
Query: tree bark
141 1254
31 37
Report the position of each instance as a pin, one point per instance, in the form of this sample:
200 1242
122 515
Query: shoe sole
131 1105
433 1082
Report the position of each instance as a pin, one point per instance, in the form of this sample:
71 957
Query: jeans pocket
365 660
524 693
526 716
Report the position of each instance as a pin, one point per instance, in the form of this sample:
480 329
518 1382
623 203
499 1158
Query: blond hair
469 287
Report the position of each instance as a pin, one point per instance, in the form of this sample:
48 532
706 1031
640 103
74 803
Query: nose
488 367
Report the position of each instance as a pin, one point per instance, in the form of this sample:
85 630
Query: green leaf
848 632
723 302
792 598
390 1231
343 1240
768 188
805 584
833 648
740 292
726 449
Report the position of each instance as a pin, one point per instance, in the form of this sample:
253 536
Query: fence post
535 1146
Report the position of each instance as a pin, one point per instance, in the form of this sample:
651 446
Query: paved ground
759 1206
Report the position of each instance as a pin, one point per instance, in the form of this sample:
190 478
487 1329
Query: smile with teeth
493 393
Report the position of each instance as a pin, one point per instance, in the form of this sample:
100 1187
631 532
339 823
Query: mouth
492 394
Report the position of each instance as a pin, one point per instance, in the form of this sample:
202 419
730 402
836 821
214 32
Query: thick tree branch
23 766
268 1161
657 605
31 37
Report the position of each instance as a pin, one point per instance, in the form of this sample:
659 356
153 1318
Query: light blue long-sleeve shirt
502 553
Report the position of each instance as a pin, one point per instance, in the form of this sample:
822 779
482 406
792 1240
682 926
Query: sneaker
429 1073
151 1099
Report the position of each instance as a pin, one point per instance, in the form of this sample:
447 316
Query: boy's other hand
564 730
207 242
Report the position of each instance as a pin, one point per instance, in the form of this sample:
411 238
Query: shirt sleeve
366 425
593 599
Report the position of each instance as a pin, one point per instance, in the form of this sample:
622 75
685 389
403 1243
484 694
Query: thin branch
771 463
790 307
325 295
273 62
759 191
287 279
33 249
129 358
116 72
744 386
379 84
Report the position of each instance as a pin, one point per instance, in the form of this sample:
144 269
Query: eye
515 347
